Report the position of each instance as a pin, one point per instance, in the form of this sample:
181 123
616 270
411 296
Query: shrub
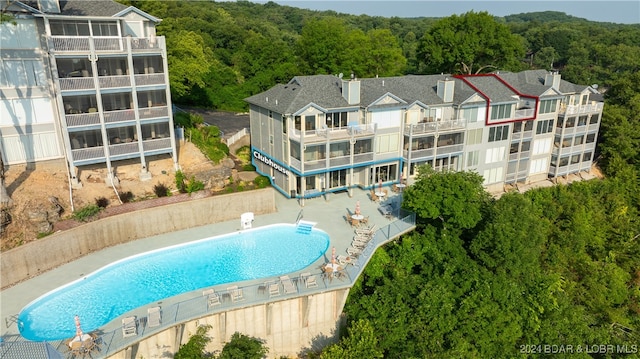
161 190
102 202
126 197
86 213
180 185
249 167
262 181
194 185
194 348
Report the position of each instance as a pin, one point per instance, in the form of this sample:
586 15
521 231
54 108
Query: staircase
305 227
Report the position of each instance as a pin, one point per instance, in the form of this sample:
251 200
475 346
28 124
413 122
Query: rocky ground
42 196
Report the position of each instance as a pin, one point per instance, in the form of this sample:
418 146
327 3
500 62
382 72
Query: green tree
385 56
243 347
452 199
360 342
194 348
470 43
188 60
321 46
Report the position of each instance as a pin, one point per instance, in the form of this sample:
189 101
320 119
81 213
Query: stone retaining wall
62 247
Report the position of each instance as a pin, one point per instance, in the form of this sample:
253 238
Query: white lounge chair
309 280
367 231
287 284
236 293
213 298
129 327
354 252
154 317
274 289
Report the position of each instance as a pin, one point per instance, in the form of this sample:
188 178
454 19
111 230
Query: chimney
445 90
351 91
553 80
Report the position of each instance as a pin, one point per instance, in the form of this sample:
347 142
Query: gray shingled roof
529 82
492 87
27 349
85 7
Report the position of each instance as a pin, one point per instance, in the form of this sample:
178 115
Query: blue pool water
149 277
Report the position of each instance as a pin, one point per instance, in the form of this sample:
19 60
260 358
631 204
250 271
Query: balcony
82 119
77 83
105 44
436 126
578 109
88 154
114 81
524 113
123 148
156 144
149 79
153 112
334 133
119 116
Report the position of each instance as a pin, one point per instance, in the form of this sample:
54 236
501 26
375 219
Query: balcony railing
437 126
123 148
119 116
156 144
114 81
105 43
576 109
524 113
334 133
82 119
77 83
149 79
154 112
84 154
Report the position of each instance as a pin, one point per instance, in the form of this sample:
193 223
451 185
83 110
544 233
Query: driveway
229 123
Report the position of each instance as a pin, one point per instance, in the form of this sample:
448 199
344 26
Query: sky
623 12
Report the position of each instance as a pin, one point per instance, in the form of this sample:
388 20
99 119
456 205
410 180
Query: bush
180 185
194 348
126 197
262 181
194 185
249 167
102 202
161 190
86 213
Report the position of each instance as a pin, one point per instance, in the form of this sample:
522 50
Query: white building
83 80
319 134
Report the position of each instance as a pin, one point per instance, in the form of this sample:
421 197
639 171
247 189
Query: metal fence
196 305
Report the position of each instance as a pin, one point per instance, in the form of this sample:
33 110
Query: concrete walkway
329 213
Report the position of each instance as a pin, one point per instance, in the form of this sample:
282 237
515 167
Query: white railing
363 157
145 43
576 109
233 139
156 144
524 113
105 43
114 81
77 83
82 119
118 116
153 112
149 79
339 161
89 153
427 127
66 43
108 43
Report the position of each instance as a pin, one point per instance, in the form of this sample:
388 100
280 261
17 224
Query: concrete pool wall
287 326
36 257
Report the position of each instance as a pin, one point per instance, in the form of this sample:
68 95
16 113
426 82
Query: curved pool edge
193 294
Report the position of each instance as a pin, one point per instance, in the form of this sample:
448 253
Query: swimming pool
149 277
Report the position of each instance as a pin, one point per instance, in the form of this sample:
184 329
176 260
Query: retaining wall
62 247
288 327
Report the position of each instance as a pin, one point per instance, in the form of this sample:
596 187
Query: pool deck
328 212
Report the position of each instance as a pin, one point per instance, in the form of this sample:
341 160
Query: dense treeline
480 277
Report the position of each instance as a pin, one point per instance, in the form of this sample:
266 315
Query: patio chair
374 198
287 284
344 260
367 231
154 317
274 289
364 239
236 293
213 298
358 245
129 327
385 210
76 348
354 252
308 280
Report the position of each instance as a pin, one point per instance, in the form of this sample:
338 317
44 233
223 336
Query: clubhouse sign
268 161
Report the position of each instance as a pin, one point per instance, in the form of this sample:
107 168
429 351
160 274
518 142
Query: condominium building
86 81
323 133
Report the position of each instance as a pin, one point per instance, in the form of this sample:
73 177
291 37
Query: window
564 161
340 149
554 160
450 139
566 142
526 145
362 146
494 155
297 121
22 73
515 147
548 106
575 159
474 136
501 111
384 173
571 121
591 137
284 124
295 150
387 143
528 125
560 122
578 140
517 127
493 175
541 146
582 120
538 166
104 28
314 153
309 123
422 143
472 158
586 157
122 135
498 133
337 119
338 178
69 28
544 126
471 114
594 119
